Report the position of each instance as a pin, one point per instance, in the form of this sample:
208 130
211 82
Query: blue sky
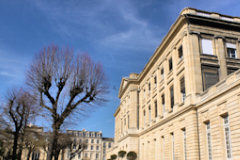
122 35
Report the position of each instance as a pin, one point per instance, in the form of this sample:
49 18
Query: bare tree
65 83
33 139
18 110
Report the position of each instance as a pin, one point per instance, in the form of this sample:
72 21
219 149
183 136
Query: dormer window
207 46
231 50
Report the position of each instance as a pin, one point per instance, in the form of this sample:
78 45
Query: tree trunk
15 145
63 151
53 143
29 153
56 154
20 152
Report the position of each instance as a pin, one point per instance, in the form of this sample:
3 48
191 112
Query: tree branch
43 104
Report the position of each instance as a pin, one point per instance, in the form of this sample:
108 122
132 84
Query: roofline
180 20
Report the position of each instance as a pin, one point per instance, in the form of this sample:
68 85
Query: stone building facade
95 145
185 104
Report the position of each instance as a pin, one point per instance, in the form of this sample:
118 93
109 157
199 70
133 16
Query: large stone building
96 145
185 104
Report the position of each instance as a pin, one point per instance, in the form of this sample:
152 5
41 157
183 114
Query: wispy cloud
115 26
8 74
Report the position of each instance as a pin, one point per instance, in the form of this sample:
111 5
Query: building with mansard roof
185 104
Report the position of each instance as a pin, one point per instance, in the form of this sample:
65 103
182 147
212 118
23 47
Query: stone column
192 64
220 52
238 48
175 79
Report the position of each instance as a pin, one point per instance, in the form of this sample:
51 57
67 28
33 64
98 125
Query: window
86 140
227 137
144 117
172 97
97 141
155 81
79 155
163 147
231 50
156 108
184 144
149 114
96 155
128 121
149 86
209 145
74 146
163 103
162 73
231 70
35 155
91 147
86 155
182 89
97 148
170 64
180 52
109 145
210 76
207 46
173 156
92 141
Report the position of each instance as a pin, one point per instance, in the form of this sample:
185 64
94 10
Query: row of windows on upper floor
125 122
86 155
170 68
207 49
85 134
172 102
89 141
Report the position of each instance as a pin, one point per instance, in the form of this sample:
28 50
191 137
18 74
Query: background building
185 104
74 144
96 145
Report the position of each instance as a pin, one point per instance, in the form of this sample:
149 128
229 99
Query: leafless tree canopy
64 82
57 73
18 111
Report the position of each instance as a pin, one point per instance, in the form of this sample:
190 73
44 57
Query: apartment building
74 144
185 104
96 145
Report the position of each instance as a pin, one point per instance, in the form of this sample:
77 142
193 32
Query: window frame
170 64
212 44
229 47
227 137
180 52
156 108
209 69
171 89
